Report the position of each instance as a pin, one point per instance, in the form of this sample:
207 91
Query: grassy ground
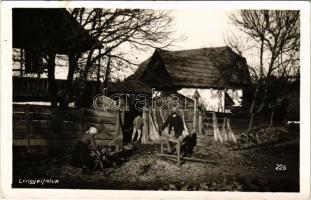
142 169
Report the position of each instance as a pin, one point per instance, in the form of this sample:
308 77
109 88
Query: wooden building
39 34
206 70
198 76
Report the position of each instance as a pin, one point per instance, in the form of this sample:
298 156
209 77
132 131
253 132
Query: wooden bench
178 144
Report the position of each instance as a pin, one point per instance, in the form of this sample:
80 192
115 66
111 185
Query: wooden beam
200 123
194 127
187 158
28 126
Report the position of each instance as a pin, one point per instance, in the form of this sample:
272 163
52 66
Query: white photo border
6 191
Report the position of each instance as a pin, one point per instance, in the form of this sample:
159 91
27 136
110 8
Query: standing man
174 123
137 127
175 127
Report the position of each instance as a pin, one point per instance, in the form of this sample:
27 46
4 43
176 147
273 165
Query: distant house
217 74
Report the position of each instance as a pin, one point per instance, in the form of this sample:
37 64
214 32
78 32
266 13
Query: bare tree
274 36
116 30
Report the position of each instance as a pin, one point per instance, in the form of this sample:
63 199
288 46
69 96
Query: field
272 167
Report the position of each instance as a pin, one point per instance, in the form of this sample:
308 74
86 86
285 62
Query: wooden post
217 135
161 151
223 130
21 63
251 121
145 130
161 115
82 120
200 123
178 147
118 130
194 127
51 79
122 118
27 116
271 117
230 132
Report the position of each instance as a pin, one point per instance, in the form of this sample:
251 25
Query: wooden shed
38 35
197 74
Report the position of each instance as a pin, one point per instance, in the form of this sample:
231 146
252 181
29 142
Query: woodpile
261 136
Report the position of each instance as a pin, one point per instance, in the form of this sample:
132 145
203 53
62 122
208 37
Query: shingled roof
130 87
218 67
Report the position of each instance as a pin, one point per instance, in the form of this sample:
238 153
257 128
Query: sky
202 28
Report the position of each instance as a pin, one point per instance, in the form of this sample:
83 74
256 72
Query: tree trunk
261 58
251 121
107 74
253 104
88 64
271 117
51 79
98 72
69 83
194 126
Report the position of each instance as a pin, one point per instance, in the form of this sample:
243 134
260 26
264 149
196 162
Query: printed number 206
280 167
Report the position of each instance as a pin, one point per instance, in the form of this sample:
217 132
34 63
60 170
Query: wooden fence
40 126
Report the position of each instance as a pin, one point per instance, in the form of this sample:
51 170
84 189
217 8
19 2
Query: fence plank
40 109
46 133
96 113
39 125
19 124
27 126
52 142
19 108
19 133
54 116
19 116
58 142
55 125
100 120
20 142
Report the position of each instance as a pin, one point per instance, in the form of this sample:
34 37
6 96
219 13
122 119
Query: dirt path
143 169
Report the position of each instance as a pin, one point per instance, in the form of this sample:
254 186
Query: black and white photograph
157 99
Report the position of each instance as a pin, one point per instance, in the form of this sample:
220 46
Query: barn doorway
129 116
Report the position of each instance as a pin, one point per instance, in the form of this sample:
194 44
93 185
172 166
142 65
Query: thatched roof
129 87
218 67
